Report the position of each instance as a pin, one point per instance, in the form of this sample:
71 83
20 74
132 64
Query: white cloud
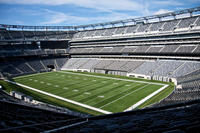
52 17
55 18
46 2
161 11
105 5
19 22
194 1
168 3
110 9
145 11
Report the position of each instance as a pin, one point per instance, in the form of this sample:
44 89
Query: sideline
111 78
125 95
61 98
146 98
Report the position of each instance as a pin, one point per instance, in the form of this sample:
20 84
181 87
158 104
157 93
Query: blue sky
79 12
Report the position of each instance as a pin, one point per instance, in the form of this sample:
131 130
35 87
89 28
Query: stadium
132 75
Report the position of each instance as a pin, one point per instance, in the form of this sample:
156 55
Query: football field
95 92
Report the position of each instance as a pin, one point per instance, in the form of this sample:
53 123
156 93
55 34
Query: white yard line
61 98
93 108
117 94
110 78
146 98
124 96
91 76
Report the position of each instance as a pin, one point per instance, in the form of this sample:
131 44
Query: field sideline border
130 80
61 98
136 104
111 78
146 98
125 95
90 107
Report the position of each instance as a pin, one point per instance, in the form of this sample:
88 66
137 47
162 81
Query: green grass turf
46 99
108 94
166 92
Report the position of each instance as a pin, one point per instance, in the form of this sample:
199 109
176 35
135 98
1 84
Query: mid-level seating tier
29 52
189 49
165 68
34 35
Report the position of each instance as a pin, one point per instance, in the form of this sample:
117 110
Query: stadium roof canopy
102 25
